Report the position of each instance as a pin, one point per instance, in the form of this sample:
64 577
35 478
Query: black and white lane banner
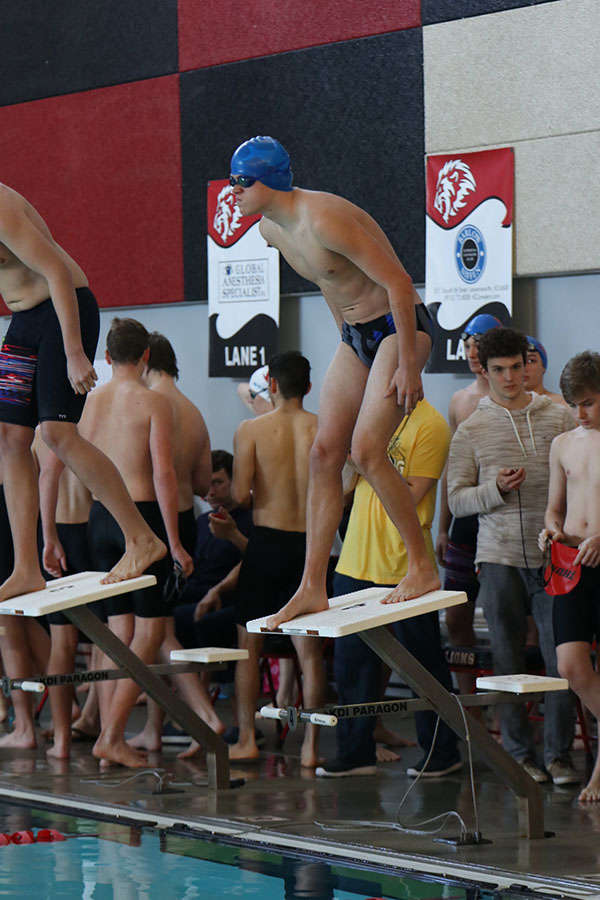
468 267
243 288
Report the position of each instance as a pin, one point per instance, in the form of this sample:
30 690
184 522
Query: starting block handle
34 687
273 712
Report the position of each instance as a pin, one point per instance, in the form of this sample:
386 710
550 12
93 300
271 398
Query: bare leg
62 659
310 656
378 419
22 503
88 722
574 664
103 480
247 689
192 691
4 701
16 654
111 746
339 404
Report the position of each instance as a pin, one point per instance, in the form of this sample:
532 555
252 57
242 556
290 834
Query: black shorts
365 337
107 546
34 386
187 530
576 615
271 571
74 542
459 574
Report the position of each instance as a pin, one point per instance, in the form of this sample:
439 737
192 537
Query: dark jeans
358 679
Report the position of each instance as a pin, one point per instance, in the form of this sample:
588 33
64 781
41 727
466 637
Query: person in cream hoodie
499 469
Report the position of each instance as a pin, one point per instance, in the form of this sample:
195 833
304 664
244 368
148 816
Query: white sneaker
532 769
561 771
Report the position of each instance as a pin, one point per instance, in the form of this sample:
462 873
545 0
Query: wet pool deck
281 805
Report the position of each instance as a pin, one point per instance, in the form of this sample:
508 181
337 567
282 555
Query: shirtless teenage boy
537 363
573 518
193 467
271 463
45 374
135 427
374 377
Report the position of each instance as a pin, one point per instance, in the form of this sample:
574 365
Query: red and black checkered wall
114 115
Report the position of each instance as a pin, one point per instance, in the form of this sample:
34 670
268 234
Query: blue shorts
365 337
34 386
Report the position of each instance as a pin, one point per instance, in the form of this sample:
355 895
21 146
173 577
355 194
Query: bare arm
556 508
54 557
202 473
244 464
164 477
213 598
39 254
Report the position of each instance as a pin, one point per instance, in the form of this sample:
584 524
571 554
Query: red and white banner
468 267
243 288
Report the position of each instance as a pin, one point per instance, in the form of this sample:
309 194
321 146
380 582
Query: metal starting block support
292 716
70 595
363 613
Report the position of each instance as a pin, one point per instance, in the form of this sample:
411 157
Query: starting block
208 655
73 590
359 611
521 684
71 596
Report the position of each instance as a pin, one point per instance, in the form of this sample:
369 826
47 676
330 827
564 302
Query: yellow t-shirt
373 549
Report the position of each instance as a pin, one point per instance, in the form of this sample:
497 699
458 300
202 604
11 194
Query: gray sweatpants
509 594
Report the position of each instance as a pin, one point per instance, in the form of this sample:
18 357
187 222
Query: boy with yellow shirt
373 555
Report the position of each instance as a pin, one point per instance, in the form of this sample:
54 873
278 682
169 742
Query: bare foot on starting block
415 583
21 583
139 556
119 753
302 603
591 792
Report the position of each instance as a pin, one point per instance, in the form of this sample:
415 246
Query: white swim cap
259 383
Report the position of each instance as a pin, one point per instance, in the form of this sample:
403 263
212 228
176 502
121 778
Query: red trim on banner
458 183
226 224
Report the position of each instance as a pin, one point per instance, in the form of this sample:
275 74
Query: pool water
102 860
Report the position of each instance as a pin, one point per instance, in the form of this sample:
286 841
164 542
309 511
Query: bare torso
282 441
579 457
190 441
464 402
117 418
21 287
350 293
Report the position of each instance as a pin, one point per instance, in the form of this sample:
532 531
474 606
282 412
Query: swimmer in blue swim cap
537 363
261 159
374 379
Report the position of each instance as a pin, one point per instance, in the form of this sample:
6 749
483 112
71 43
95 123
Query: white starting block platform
73 590
521 684
208 655
360 611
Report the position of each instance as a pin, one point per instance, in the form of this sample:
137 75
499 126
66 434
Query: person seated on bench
499 468
373 555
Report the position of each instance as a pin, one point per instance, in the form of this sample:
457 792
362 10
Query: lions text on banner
468 267
243 288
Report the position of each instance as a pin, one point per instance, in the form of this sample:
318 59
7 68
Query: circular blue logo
470 254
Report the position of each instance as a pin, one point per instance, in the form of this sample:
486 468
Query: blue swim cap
266 160
480 324
534 344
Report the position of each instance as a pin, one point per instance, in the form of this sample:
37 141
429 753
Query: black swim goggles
244 181
465 337
175 584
